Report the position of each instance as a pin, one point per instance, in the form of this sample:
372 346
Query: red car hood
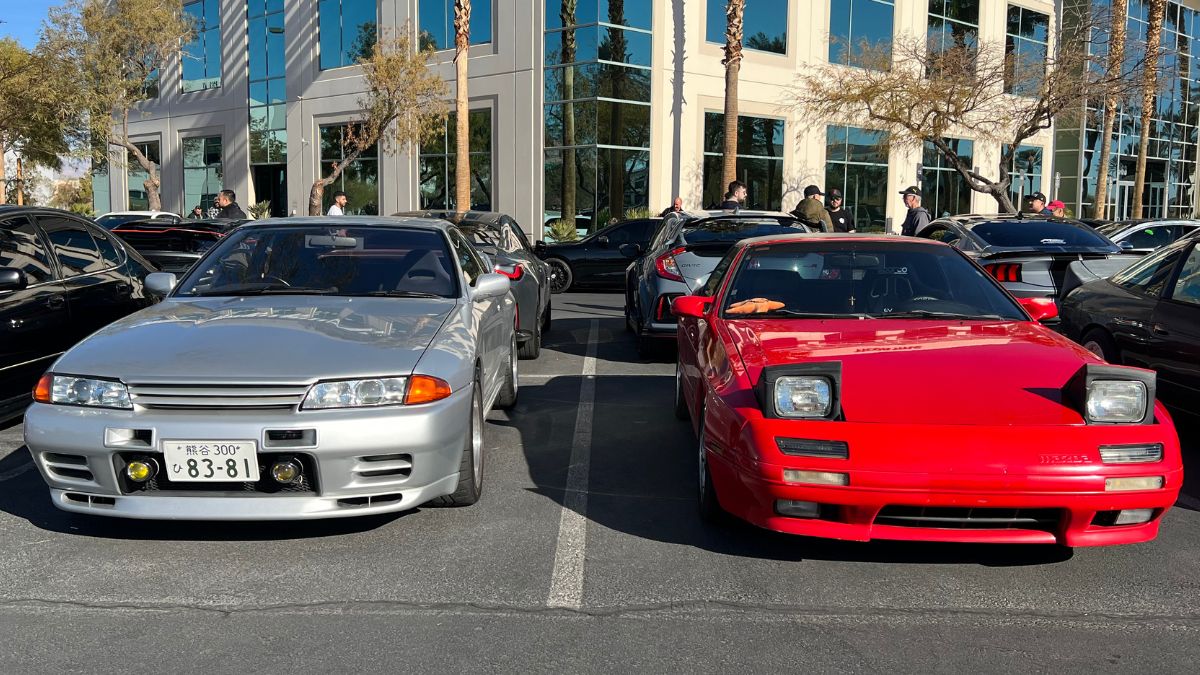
926 372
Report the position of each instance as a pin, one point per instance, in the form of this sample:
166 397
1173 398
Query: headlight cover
365 393
804 396
1116 401
89 392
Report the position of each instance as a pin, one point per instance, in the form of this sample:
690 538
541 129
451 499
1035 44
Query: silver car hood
276 338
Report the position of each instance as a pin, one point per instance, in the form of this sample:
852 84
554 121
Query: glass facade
759 160
268 95
135 176
437 23
360 180
953 23
348 29
201 58
1026 43
202 174
101 197
1026 173
854 24
597 114
765 25
437 165
945 191
856 162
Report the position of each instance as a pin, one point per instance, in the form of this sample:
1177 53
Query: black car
1146 315
174 247
503 240
61 279
598 260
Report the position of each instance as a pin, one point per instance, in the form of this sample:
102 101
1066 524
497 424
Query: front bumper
364 461
965 476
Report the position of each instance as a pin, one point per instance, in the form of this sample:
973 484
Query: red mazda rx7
865 387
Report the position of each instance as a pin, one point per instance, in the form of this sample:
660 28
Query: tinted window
734 230
109 222
711 286
872 280
21 248
108 250
325 261
1150 274
1187 288
1038 234
467 258
1152 236
943 234
635 232
73 246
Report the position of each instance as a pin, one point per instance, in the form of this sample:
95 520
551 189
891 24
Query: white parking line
566 582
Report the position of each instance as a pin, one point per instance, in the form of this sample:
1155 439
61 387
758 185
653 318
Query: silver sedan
304 368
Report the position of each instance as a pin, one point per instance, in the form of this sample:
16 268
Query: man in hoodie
811 211
843 220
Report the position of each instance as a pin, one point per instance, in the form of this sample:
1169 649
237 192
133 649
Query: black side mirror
539 247
630 250
602 240
13 279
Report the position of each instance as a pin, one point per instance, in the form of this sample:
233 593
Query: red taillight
513 272
662 309
666 267
1005 271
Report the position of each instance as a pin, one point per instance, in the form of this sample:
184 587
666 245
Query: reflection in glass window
268 96
21 248
953 23
437 23
856 162
1025 44
765 25
359 180
858 24
759 160
74 248
201 58
945 191
202 172
348 31
1187 287
136 176
1026 172
437 165
101 197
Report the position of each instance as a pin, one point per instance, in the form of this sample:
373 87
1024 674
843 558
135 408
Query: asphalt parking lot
585 553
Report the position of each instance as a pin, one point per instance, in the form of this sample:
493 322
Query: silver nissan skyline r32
304 368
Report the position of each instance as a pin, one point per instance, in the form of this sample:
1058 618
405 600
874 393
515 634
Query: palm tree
1158 10
1116 61
569 173
735 12
462 109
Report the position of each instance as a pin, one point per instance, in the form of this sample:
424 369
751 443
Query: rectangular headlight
82 391
367 393
1133 483
802 396
1116 401
1131 454
816 477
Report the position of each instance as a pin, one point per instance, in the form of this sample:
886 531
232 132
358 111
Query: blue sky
23 19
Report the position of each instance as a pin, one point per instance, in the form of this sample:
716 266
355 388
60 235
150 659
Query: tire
470 469
710 508
645 347
531 348
1098 342
681 409
561 277
546 319
629 309
508 389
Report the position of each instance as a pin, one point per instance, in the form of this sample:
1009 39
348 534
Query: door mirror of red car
694 306
1040 309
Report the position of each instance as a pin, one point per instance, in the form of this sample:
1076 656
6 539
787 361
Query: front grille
265 484
957 518
191 396
74 467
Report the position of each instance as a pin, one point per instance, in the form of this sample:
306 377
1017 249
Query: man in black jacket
842 220
227 201
917 217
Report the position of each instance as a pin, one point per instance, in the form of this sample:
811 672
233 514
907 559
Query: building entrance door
270 185
1153 201
1124 203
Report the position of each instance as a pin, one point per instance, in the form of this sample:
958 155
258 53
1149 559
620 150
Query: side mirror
489 286
13 279
539 247
694 306
630 250
161 283
1126 245
602 241
1040 309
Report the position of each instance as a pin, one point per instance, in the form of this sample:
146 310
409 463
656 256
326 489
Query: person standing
676 207
842 220
1037 204
1057 209
811 211
735 196
917 217
197 213
338 207
228 207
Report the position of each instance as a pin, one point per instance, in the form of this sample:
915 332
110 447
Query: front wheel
710 508
470 467
560 275
681 409
508 388
1098 342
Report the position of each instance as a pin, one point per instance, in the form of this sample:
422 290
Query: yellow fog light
816 477
141 470
1137 483
285 471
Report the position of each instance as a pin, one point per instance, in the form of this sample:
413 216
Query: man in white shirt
339 203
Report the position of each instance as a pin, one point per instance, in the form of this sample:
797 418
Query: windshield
733 230
864 280
109 222
358 261
1110 229
1039 234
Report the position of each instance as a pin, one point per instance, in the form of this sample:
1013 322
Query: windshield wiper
268 290
930 314
398 294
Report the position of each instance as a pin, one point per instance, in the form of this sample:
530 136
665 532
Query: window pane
1187 288
855 24
765 24
636 14
20 248
74 248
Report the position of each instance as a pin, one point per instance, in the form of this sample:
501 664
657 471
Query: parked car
865 387
61 279
1029 255
503 240
678 261
174 247
114 218
305 368
596 261
1147 315
1146 235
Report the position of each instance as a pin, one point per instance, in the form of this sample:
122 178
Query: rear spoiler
1000 253
1081 272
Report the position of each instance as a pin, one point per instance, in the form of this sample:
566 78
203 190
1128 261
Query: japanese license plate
211 461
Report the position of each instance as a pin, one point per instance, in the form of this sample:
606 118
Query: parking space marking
566 582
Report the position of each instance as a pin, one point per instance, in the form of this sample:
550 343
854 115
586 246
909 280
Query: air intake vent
396 467
1046 520
803 447
370 500
70 467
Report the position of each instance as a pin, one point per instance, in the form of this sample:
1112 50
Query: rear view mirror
1040 309
12 279
694 306
160 283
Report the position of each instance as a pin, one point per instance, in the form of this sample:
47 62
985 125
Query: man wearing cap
917 217
811 212
339 204
1037 204
840 217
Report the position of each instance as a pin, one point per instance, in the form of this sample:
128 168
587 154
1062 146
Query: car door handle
56 302
1159 330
